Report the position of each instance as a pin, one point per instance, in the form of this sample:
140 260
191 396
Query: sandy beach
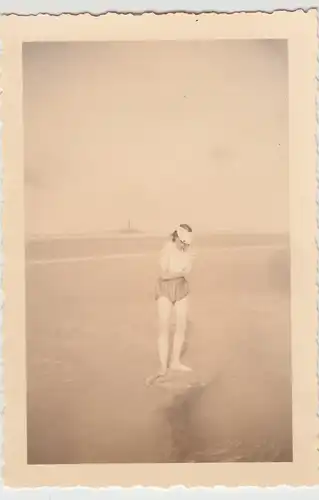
91 344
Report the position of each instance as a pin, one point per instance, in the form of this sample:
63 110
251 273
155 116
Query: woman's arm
166 272
188 267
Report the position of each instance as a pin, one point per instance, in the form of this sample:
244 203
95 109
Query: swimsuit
173 289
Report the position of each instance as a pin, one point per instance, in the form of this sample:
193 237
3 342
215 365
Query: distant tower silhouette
129 228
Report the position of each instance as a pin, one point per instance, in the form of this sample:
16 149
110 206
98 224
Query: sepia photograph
156 192
159 248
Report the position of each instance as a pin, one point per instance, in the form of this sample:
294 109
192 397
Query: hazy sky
159 132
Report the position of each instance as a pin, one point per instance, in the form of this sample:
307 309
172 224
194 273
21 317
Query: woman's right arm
184 272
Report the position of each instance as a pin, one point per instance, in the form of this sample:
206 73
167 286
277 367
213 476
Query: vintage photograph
156 195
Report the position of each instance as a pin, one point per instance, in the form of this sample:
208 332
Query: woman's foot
163 370
178 366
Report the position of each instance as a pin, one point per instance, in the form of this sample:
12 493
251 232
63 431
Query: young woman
172 293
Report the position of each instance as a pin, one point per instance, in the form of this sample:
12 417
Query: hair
174 235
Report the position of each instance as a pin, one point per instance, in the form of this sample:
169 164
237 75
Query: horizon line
141 234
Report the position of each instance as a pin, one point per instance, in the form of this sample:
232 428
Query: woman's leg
164 307
181 309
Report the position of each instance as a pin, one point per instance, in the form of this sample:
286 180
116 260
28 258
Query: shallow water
91 344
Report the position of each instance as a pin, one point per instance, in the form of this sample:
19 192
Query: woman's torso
175 260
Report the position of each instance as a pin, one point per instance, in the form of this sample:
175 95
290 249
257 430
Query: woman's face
183 247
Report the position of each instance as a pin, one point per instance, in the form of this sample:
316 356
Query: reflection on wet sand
91 344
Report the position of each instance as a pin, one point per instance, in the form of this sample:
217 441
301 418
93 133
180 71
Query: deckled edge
317 233
157 13
2 406
117 489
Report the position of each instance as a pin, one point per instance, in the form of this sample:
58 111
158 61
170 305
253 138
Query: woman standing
172 293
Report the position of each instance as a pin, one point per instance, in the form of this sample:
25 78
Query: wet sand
91 344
